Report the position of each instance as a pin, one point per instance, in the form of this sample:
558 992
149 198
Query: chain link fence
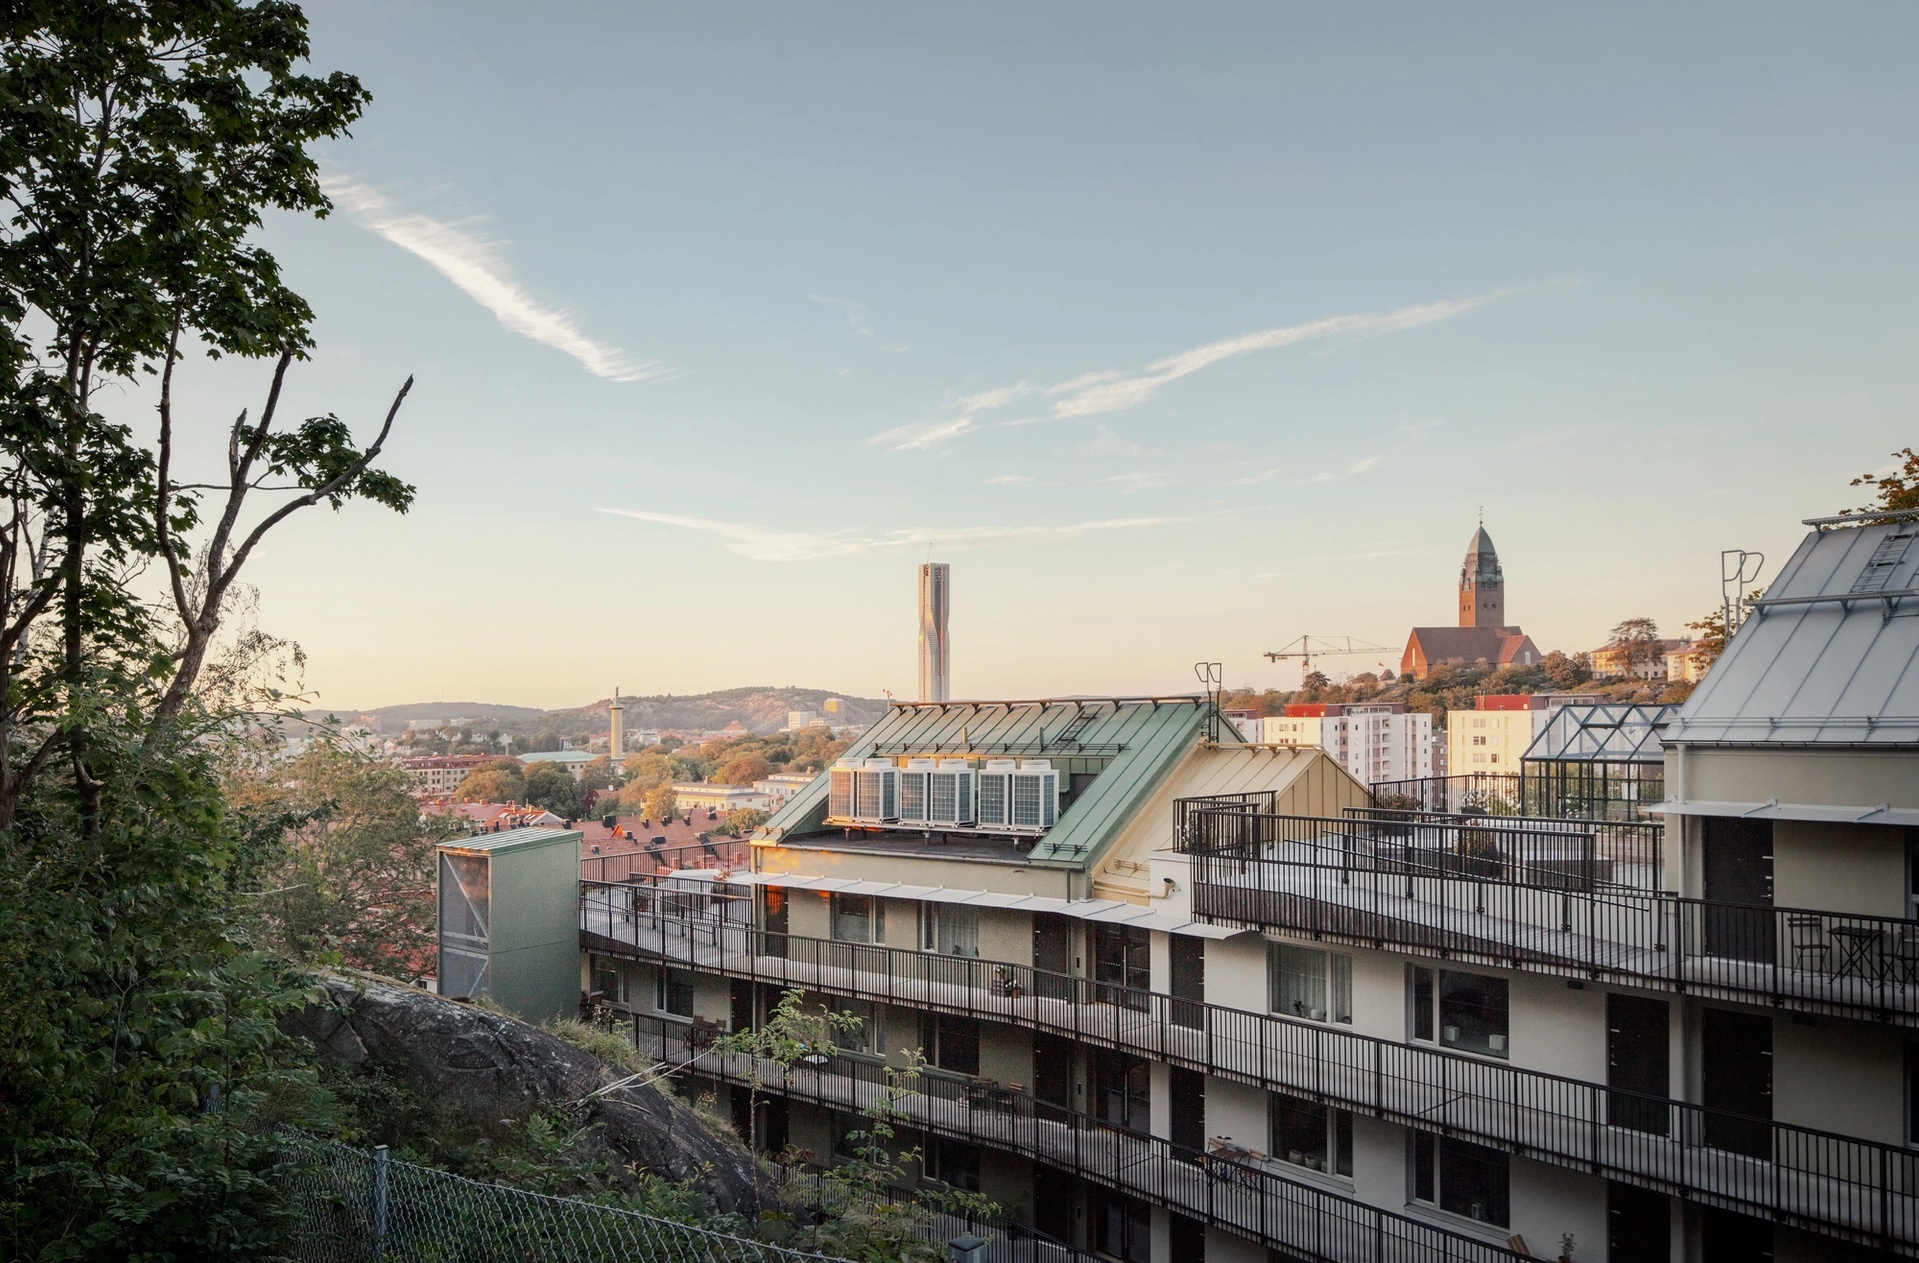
352 1206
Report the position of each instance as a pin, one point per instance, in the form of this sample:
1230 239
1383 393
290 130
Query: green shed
510 920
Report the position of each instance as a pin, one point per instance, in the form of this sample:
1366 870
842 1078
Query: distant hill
762 708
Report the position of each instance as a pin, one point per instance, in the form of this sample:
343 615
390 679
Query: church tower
1482 585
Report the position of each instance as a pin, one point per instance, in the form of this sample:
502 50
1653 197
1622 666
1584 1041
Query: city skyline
1120 319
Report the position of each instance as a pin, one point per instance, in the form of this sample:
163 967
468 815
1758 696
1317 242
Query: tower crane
1306 648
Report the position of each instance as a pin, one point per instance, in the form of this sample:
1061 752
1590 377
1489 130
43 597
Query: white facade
721 798
1374 743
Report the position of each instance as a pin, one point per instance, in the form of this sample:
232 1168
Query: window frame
1429 1156
665 984
1330 978
1334 1127
1426 1012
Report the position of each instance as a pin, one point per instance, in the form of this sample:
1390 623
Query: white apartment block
1217 1007
1495 735
1373 742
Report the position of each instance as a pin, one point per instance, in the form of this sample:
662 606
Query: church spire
1482 584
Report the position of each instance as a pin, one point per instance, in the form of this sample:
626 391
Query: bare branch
162 523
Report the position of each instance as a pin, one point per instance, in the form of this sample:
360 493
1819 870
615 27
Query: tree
1566 671
644 771
661 803
1896 490
1637 642
745 769
1709 640
741 821
141 144
349 879
552 788
597 775
498 782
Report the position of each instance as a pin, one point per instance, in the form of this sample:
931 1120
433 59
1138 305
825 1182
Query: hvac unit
914 802
1035 795
950 793
876 792
839 792
996 794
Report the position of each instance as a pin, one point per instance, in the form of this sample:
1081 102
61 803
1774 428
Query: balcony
1250 1199
1826 1183
1525 896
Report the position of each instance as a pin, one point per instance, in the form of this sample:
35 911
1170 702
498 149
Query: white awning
1773 809
1108 911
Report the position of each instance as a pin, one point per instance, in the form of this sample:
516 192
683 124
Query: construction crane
1306 648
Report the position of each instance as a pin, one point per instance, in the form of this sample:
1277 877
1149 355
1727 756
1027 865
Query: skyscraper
936 592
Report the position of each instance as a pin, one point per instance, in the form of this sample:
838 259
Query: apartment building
1375 741
435 776
1495 734
1185 998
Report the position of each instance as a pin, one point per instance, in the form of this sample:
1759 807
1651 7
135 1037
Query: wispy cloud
476 267
1093 394
920 435
856 319
1113 390
766 544
1008 480
1267 475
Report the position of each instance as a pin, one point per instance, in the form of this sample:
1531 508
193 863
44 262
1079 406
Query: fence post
379 1200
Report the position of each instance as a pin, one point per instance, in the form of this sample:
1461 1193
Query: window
1125 1227
1122 1090
953 1163
1309 983
856 918
1309 1134
1466 1011
673 992
608 980
950 928
864 1038
1122 964
950 1043
1460 1178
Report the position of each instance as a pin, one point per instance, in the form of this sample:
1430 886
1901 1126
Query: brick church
1482 635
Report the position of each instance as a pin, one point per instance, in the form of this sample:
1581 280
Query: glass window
1122 963
953 1163
673 992
950 928
1310 983
865 1037
853 918
950 1043
1419 987
1125 1227
1309 1134
1472 1013
1461 1178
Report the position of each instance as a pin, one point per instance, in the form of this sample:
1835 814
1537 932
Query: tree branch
162 524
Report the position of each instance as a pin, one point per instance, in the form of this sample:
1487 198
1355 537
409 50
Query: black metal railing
646 863
1276 872
1539 792
1828 1183
1250 1199
1627 853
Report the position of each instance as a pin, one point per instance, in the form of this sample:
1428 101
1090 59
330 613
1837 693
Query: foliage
1896 490
1637 644
497 782
349 879
138 1036
741 821
611 1047
140 146
661 803
1565 671
552 788
745 769
597 775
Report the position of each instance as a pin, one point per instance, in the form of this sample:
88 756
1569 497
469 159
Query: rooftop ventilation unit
839 792
950 794
913 791
876 792
996 794
1035 795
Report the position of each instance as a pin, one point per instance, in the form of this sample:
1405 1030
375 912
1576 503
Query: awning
1773 809
1107 911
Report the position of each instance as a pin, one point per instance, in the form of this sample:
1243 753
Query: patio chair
1809 941
1902 958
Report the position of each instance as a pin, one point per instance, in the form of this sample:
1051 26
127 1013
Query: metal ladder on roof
1078 724
1884 561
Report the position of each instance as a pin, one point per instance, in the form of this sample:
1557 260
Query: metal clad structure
509 920
1817 662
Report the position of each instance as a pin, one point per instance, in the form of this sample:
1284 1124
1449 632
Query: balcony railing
1627 853
1474 901
1584 791
648 862
1252 1200
1827 1183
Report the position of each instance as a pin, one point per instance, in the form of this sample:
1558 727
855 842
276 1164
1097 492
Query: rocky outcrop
486 1067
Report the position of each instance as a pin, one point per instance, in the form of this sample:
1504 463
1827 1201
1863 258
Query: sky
1178 331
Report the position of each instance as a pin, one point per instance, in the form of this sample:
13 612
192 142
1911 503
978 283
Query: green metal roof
512 839
1138 741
